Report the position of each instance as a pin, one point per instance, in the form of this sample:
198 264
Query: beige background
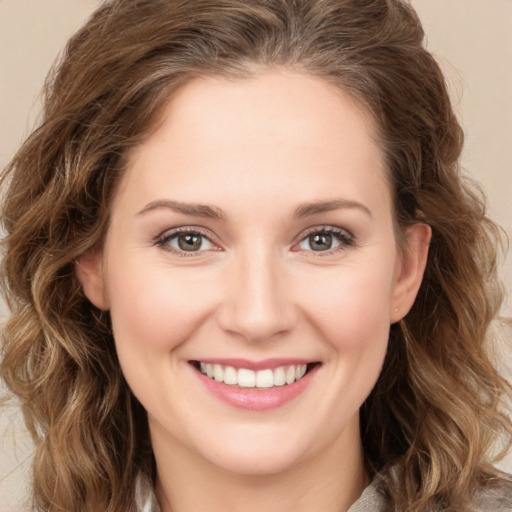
471 38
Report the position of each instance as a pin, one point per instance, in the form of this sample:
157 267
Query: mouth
261 379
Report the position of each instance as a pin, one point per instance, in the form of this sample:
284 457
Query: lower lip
257 399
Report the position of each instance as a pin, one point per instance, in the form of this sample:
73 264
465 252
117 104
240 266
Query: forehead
308 105
275 131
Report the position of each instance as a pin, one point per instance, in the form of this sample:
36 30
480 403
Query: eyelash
163 240
344 238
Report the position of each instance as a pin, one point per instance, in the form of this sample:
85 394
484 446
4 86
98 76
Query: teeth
230 375
290 374
218 373
245 378
264 379
301 371
279 376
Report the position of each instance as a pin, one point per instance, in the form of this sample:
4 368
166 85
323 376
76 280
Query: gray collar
371 500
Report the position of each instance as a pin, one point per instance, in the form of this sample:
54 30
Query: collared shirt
369 501
495 498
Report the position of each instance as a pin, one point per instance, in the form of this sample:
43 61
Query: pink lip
257 399
256 365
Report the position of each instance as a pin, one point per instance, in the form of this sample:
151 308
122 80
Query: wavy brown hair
437 408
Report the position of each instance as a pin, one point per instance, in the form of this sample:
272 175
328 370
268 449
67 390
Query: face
252 271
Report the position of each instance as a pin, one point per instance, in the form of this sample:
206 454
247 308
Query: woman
251 275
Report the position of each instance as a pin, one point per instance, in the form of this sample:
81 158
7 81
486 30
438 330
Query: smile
256 386
247 378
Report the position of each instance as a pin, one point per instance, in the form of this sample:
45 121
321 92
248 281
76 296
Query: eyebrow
212 212
309 209
194 209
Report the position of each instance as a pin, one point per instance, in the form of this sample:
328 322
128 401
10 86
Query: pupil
320 242
190 242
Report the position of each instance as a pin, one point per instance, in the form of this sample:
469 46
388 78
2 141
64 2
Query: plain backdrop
470 38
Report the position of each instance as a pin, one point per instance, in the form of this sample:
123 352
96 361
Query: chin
256 464
258 457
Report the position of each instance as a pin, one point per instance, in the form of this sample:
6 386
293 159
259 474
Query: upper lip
255 365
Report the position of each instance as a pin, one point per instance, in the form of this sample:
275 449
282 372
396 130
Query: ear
89 270
410 268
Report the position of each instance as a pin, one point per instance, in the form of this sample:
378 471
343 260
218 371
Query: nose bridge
256 303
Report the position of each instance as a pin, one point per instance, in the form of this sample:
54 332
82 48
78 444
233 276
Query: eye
325 239
185 241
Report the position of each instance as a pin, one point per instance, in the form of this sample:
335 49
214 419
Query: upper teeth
246 378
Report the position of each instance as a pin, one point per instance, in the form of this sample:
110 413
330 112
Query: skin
256 149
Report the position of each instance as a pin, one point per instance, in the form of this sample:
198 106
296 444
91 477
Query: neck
329 481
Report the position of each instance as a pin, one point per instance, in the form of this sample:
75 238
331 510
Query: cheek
154 312
351 311
351 306
155 309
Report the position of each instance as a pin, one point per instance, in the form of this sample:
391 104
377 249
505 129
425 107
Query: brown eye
190 241
320 241
185 241
326 239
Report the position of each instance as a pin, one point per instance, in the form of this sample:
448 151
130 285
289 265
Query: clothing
145 497
369 501
495 498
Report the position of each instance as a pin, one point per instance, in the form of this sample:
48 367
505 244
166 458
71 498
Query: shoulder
496 496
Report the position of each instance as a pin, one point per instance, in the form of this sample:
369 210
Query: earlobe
89 270
411 269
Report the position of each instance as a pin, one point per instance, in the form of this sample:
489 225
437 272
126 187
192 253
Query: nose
257 303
